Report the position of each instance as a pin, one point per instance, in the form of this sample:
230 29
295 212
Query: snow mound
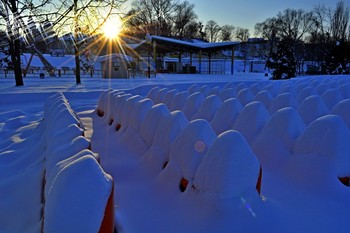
278 136
251 120
169 128
139 112
153 92
149 125
287 88
190 147
160 95
192 104
125 113
104 102
226 115
321 88
345 90
245 96
328 136
114 116
179 100
208 108
229 168
273 89
312 108
169 97
228 93
342 109
283 100
218 175
331 97
215 91
264 97
36 178
193 88
305 92
73 203
205 90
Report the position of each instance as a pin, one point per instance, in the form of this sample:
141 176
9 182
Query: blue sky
246 13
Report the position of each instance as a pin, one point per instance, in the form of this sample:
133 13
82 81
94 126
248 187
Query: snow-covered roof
55 61
194 45
66 61
112 56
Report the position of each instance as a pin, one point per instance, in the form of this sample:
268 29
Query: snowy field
183 153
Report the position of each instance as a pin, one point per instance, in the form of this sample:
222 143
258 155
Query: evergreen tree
282 60
338 58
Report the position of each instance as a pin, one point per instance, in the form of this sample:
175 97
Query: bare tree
9 10
183 16
150 16
12 15
227 32
268 30
192 30
295 24
212 29
321 31
290 26
84 18
242 34
340 22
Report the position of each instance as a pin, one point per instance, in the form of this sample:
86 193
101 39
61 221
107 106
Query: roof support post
209 55
148 65
232 59
200 62
155 57
191 59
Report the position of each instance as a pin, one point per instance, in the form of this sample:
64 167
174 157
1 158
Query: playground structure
47 66
32 36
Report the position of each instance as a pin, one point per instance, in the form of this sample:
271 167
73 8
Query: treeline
296 36
292 37
176 19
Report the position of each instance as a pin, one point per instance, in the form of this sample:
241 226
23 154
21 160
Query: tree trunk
16 61
77 65
15 45
76 44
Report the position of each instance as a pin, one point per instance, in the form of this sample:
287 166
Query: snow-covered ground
185 153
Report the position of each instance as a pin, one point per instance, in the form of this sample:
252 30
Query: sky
246 13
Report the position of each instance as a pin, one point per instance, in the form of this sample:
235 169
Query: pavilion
154 45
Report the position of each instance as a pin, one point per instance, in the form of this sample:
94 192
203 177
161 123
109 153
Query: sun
112 27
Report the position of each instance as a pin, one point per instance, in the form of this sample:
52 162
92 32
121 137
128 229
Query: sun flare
111 28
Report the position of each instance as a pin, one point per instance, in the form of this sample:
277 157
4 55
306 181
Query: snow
208 108
73 200
226 115
183 153
327 136
50 169
312 108
229 168
193 44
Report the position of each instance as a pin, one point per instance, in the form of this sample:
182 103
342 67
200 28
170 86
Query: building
157 47
115 65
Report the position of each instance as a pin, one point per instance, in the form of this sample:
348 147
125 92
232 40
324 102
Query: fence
64 73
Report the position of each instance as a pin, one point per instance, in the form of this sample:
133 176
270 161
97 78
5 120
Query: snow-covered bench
167 141
199 146
78 194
